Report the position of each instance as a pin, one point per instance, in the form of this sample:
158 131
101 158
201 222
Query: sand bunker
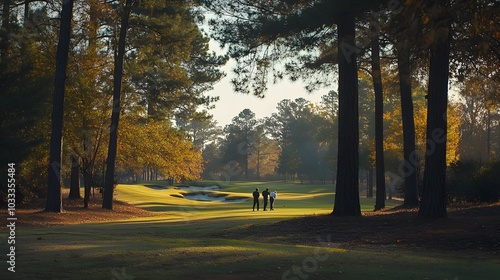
197 188
205 193
208 197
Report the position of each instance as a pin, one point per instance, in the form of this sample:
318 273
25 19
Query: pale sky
231 104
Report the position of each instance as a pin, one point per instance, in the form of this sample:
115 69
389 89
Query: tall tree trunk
107 201
26 12
370 183
258 163
347 188
93 27
86 184
246 154
379 124
488 135
433 204
4 45
74 188
409 167
54 203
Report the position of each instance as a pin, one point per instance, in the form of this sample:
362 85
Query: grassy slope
188 242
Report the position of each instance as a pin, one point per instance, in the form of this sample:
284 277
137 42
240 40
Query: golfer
273 196
256 196
265 195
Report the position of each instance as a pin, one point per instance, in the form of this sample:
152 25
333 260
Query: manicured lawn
221 240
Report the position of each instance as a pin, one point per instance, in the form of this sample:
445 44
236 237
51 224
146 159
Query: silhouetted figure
273 196
256 195
265 195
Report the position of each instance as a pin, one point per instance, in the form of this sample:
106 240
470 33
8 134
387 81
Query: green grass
293 200
188 241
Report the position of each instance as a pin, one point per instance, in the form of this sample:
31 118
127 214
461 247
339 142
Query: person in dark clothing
265 194
256 196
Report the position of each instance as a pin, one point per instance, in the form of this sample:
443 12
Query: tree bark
4 45
74 189
433 204
370 183
379 124
109 181
488 135
408 169
26 12
54 202
87 182
347 187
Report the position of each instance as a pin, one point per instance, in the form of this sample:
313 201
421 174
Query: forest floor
468 227
33 215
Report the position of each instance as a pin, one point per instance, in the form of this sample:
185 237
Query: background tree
379 113
170 66
166 150
109 180
74 188
263 160
280 131
26 92
87 105
169 76
404 27
479 119
394 138
327 135
367 152
239 145
54 202
202 130
433 203
212 161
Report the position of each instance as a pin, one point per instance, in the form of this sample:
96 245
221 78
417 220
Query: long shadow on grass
475 229
161 207
157 187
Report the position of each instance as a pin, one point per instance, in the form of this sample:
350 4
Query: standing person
256 196
273 196
265 194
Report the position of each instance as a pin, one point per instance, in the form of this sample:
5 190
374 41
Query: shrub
471 181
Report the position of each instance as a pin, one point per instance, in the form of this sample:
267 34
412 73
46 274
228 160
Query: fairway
190 239
293 200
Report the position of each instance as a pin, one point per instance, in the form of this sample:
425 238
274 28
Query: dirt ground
469 227
32 215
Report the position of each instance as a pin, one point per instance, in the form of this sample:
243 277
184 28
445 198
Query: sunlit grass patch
293 199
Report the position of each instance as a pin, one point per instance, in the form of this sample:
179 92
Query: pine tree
54 202
109 180
433 202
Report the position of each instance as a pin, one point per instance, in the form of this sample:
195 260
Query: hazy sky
231 103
